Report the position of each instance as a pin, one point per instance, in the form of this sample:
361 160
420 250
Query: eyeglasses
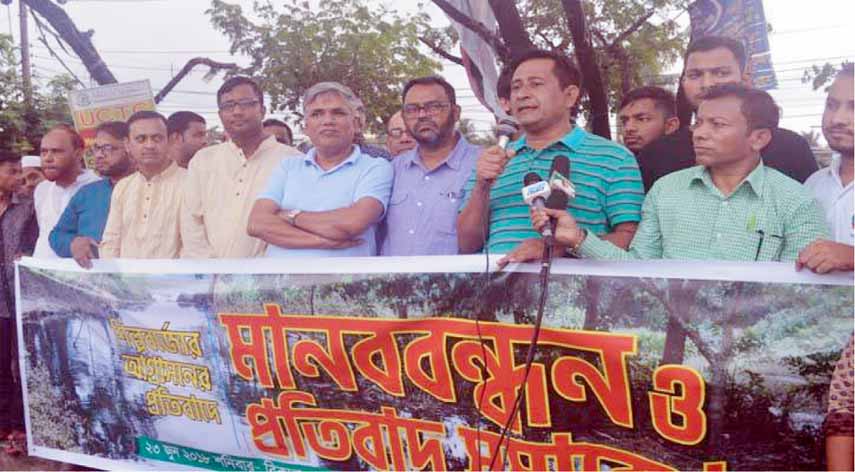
398 133
430 108
105 149
242 104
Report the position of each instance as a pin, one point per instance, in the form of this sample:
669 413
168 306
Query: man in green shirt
728 207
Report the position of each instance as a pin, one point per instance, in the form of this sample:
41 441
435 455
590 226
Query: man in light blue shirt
329 202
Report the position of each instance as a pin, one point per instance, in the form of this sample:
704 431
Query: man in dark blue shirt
78 231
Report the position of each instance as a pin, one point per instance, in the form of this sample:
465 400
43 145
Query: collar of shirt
571 140
170 169
452 160
309 159
265 143
754 180
834 170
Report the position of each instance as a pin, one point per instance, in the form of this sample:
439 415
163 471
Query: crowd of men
729 186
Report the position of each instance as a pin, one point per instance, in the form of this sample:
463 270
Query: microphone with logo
535 193
561 190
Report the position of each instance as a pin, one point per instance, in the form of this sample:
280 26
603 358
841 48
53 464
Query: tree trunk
511 27
592 308
80 42
675 342
592 80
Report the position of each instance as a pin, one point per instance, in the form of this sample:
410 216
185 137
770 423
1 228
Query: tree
369 48
820 76
21 128
621 44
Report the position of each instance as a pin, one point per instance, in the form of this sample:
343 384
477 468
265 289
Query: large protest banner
114 102
414 363
745 21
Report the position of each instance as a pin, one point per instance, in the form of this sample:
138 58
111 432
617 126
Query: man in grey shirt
428 188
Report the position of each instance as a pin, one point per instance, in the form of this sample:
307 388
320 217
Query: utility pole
26 76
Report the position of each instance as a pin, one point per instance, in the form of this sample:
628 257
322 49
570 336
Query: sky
153 39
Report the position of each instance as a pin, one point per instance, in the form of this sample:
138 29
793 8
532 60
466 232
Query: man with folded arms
728 207
145 206
329 202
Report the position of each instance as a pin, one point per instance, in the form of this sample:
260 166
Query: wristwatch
573 251
291 216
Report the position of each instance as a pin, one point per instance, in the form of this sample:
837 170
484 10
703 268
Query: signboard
114 102
417 363
744 20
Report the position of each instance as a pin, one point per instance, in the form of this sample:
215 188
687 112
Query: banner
744 20
417 363
114 102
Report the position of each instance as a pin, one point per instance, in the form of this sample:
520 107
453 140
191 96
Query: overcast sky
152 39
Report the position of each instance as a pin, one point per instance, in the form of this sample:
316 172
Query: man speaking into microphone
545 88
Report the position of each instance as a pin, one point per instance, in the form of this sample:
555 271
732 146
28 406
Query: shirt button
411 231
427 177
725 203
419 204
718 235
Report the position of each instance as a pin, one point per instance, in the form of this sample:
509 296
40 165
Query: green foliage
369 48
21 129
820 76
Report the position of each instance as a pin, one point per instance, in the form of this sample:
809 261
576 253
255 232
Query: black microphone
535 194
506 128
559 179
559 183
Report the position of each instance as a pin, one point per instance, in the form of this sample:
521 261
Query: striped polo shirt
605 174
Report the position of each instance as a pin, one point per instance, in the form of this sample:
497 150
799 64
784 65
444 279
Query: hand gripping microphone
535 193
505 129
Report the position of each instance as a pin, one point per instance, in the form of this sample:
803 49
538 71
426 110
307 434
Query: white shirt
835 200
50 201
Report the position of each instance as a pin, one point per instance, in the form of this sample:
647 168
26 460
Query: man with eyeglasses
398 139
223 180
429 179
144 210
79 229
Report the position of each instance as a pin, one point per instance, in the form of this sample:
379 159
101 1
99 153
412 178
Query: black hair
116 129
76 140
708 43
758 107
563 67
7 156
431 80
662 99
846 70
236 81
179 121
146 115
275 122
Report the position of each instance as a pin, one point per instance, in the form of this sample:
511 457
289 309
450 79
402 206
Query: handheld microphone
505 129
536 193
559 180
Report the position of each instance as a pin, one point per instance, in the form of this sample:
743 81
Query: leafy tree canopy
369 48
22 129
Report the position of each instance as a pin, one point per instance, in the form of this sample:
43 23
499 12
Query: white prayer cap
31 161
